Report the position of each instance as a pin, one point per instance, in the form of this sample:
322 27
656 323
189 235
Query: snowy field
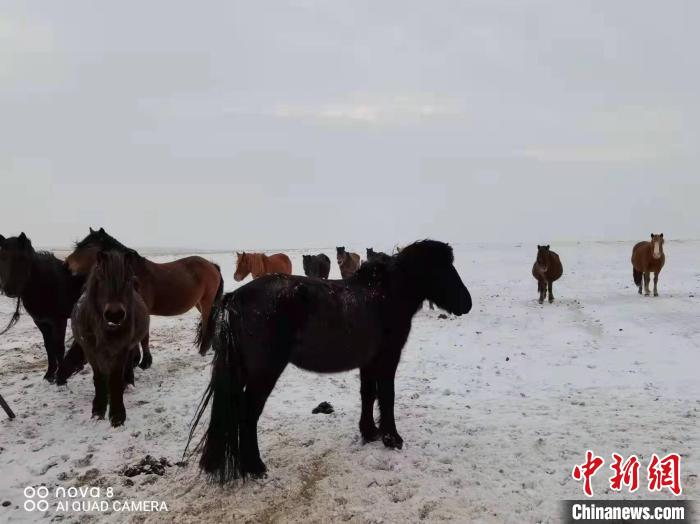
495 407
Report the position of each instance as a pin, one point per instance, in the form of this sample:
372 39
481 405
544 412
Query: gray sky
315 123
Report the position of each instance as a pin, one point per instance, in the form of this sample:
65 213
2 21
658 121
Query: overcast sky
320 123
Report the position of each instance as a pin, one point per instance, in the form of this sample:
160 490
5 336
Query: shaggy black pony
322 326
372 254
109 321
48 291
317 266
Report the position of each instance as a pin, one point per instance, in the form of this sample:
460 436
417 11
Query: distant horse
317 266
258 265
109 321
322 326
48 291
168 289
647 258
546 270
372 254
347 262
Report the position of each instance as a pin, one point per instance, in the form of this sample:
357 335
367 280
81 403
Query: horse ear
2 240
102 230
661 235
539 247
547 246
92 231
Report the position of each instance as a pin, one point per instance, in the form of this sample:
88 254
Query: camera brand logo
36 498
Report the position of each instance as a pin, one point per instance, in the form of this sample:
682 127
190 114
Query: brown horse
546 269
347 262
647 258
168 289
259 264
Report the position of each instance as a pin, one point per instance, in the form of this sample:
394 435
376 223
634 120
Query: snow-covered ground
495 407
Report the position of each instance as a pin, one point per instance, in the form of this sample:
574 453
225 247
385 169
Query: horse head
543 258
429 265
84 256
242 266
657 245
111 289
15 264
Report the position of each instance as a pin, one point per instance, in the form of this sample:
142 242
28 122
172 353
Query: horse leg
117 412
656 284
540 290
146 359
73 362
99 403
258 388
647 278
368 393
130 365
550 285
47 332
386 371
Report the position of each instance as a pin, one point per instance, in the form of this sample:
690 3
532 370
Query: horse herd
109 291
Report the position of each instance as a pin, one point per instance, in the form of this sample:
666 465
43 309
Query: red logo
661 473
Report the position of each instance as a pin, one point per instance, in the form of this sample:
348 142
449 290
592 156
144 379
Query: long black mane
105 242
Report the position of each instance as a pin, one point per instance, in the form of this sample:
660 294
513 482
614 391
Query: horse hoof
50 377
146 363
369 435
551 300
256 469
117 420
392 440
541 301
98 415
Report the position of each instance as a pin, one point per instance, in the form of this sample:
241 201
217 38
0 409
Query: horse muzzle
114 316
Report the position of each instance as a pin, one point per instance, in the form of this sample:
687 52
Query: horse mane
106 242
372 271
257 265
426 250
114 265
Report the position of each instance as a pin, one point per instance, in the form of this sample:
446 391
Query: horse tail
637 276
204 336
220 446
14 319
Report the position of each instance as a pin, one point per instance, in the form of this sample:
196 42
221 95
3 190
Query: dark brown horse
647 258
259 264
108 321
546 270
168 289
347 262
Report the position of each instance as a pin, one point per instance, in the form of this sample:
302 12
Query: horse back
278 263
317 325
173 288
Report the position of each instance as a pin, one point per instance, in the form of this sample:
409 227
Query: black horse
317 266
109 321
372 254
322 326
46 288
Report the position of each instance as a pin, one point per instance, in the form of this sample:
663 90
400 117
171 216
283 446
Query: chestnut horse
648 257
546 269
348 262
168 289
259 264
